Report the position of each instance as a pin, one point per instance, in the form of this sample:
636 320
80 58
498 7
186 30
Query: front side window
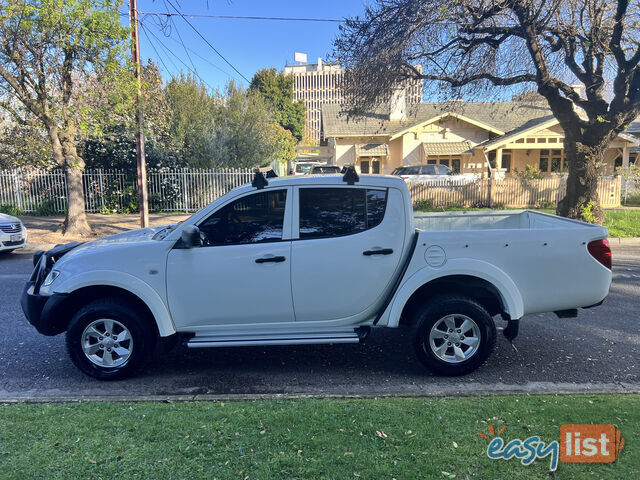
335 212
256 218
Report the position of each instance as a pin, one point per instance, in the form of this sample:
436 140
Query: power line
201 57
238 17
207 42
148 31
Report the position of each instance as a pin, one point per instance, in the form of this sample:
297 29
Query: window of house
445 161
506 160
492 159
617 163
375 166
455 165
544 161
557 161
364 166
255 218
432 161
334 212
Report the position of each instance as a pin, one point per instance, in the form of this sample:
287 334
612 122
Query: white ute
248 269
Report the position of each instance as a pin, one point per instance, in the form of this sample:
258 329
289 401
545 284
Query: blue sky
248 44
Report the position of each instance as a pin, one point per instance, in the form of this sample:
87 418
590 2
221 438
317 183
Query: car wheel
109 339
453 335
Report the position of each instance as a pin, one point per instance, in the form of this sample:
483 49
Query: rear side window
335 212
429 170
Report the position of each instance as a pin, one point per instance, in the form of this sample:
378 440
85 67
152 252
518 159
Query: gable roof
499 116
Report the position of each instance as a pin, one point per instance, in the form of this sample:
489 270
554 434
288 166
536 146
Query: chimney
319 63
398 105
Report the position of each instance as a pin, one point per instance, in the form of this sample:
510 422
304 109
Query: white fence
173 190
187 190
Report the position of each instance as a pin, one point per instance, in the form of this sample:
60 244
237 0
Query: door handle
382 251
277 259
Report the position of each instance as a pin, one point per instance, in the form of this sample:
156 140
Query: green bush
46 208
633 199
545 205
531 172
586 212
10 210
422 205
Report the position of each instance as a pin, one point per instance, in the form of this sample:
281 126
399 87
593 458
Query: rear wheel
109 339
453 335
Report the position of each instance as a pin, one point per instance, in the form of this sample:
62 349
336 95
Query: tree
246 134
192 113
472 46
48 49
277 89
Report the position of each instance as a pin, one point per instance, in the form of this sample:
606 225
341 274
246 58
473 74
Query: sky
248 45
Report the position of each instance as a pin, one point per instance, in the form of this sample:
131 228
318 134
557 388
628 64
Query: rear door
347 245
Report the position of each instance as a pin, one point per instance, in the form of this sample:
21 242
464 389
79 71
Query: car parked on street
325 169
13 234
246 270
431 173
303 168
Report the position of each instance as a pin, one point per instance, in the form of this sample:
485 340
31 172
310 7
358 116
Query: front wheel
453 335
109 339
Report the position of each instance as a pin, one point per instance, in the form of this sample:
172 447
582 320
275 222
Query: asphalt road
599 350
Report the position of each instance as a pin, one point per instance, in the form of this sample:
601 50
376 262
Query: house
481 138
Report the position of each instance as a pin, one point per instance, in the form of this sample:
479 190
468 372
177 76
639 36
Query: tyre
453 335
110 339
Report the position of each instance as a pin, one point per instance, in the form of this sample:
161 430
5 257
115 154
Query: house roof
499 116
372 149
446 148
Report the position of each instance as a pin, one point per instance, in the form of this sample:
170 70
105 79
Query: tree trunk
66 156
75 223
582 201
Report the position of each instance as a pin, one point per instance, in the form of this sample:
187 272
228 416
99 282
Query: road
599 350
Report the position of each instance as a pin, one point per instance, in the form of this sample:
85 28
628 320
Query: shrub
423 205
10 210
46 208
531 172
586 212
545 205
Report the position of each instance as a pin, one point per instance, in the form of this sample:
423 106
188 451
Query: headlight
53 274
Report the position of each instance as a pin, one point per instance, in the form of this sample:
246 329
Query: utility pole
142 163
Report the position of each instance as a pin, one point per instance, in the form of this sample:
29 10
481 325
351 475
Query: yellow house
478 138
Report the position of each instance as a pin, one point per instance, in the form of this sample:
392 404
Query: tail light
600 250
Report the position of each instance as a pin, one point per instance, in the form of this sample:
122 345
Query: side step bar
243 339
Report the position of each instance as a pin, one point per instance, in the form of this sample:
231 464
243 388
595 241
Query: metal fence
631 191
508 192
187 190
172 190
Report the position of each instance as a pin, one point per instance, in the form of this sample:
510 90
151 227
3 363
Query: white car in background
303 168
12 233
432 173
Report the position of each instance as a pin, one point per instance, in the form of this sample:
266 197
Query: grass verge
307 438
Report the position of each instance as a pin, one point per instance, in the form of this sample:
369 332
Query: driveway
599 350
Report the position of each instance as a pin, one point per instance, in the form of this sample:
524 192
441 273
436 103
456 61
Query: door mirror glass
191 237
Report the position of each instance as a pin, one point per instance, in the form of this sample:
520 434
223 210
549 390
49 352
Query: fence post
185 197
489 187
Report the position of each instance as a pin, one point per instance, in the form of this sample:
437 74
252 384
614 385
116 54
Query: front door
349 248
242 272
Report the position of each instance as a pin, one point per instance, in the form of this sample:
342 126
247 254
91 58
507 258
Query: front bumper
7 244
44 311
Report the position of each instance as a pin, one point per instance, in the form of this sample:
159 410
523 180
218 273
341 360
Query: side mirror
190 237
